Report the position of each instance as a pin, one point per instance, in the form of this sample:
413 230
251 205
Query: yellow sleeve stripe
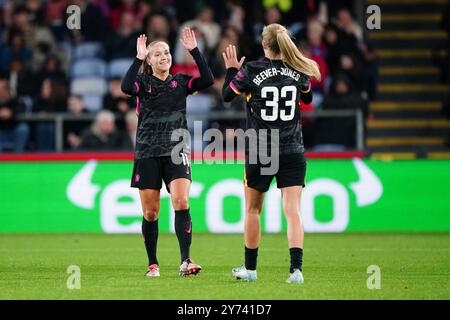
308 90
233 87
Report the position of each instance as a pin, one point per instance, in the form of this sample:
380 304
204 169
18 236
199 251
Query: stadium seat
87 50
93 102
89 86
87 68
118 67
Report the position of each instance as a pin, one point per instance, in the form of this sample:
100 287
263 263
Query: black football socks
150 233
251 255
296 259
183 229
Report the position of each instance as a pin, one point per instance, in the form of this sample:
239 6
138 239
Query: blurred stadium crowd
47 69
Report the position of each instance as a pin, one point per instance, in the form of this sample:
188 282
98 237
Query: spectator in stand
74 128
338 43
15 49
158 27
235 37
353 68
56 17
105 9
362 55
271 15
126 6
38 38
338 134
22 81
52 99
348 25
103 134
7 12
317 86
216 61
53 96
122 42
93 23
144 11
36 11
237 17
13 134
116 101
131 121
315 33
51 69
331 40
205 24
333 7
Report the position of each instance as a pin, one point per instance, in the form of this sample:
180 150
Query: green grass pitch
413 266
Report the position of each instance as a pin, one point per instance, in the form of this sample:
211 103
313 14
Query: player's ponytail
279 42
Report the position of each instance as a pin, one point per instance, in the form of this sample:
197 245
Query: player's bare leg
150 202
179 194
295 233
252 234
253 207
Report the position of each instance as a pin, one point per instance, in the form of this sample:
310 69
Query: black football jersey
272 90
161 106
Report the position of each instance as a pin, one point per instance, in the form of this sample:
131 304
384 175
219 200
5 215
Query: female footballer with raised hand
161 109
273 88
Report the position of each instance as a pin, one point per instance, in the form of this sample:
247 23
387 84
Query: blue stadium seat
118 67
93 102
87 68
87 50
89 86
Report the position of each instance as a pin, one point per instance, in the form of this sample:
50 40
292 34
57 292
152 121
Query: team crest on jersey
149 88
174 84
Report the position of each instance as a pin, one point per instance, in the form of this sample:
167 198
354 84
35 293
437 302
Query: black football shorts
149 173
291 172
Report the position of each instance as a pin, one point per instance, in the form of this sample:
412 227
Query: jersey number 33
273 110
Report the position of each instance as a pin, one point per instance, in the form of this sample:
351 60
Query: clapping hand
141 47
188 39
230 58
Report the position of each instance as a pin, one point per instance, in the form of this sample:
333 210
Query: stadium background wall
342 195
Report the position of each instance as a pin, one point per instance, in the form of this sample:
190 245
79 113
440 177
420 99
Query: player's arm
231 89
227 92
306 93
206 78
130 85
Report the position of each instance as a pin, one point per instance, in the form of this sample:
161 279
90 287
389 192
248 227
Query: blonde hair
146 67
279 42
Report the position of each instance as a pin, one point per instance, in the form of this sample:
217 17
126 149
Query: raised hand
188 39
230 58
141 47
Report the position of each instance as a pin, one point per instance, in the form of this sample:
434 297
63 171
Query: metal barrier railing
60 118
